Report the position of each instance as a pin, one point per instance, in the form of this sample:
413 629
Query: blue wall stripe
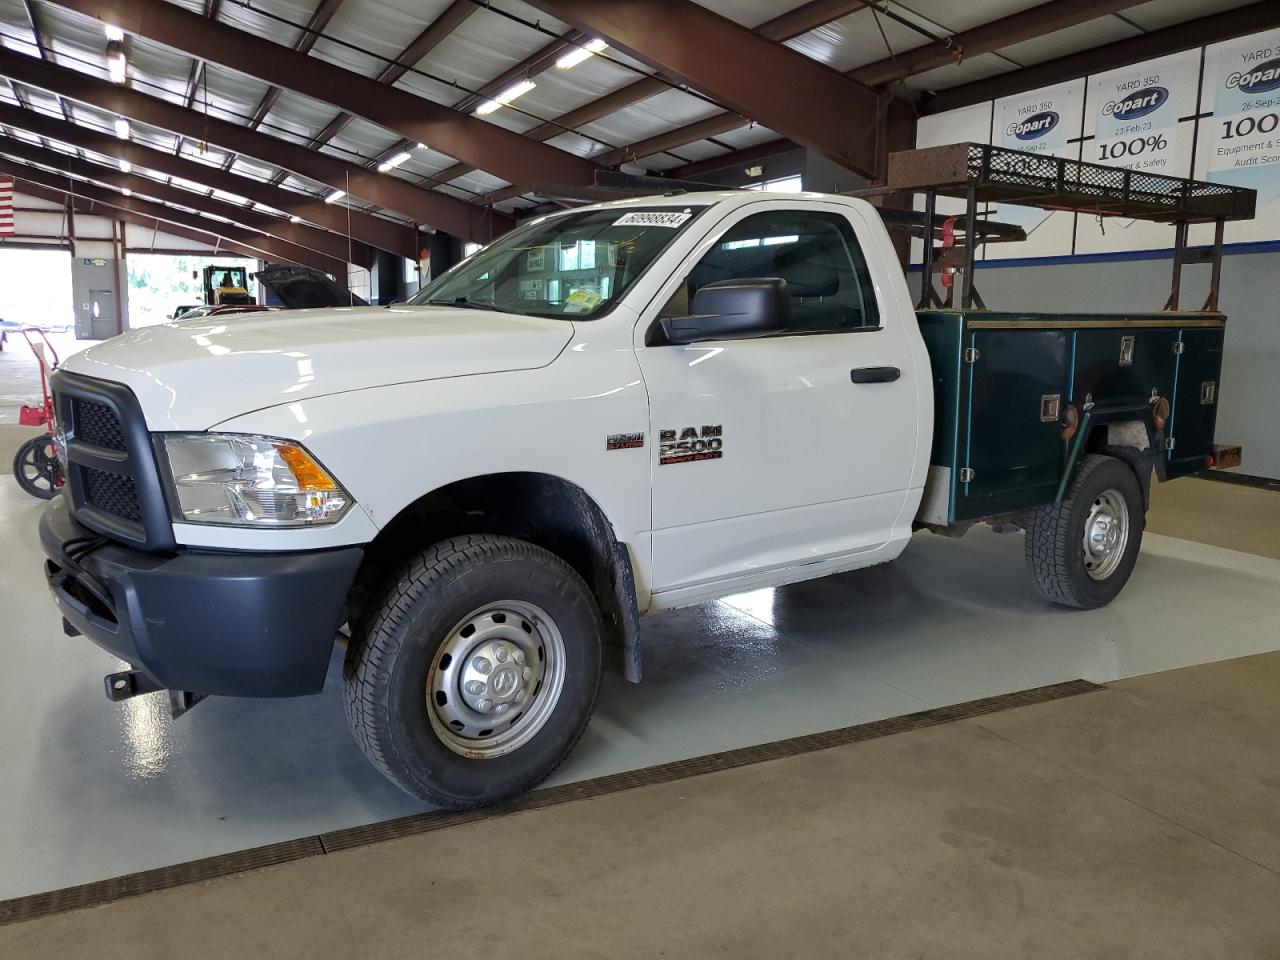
1228 249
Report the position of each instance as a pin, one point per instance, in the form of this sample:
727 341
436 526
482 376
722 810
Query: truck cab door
793 448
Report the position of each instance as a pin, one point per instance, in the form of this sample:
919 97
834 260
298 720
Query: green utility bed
1018 396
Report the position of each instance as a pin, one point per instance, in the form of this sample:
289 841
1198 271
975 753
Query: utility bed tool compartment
1008 387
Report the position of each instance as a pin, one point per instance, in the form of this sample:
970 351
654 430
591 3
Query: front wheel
1082 550
477 673
36 468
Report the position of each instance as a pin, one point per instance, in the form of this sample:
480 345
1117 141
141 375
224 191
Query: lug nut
500 654
519 696
475 687
502 708
485 705
518 657
526 673
481 665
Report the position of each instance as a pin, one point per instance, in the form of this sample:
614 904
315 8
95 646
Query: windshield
574 265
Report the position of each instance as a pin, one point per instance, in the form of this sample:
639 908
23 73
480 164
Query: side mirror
733 310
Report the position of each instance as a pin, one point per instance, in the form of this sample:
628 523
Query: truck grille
97 423
113 493
113 482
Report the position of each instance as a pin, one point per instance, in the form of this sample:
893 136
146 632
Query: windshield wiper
469 304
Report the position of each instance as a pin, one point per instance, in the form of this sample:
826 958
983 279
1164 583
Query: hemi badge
624 441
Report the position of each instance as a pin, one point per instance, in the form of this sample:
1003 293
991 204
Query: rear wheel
477 673
1082 550
36 468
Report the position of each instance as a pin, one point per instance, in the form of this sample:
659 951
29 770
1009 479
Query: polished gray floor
92 790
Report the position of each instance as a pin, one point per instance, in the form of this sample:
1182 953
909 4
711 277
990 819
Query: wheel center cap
494 677
504 682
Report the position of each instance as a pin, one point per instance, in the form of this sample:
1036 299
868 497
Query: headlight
249 481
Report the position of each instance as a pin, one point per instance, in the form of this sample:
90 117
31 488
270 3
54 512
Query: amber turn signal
309 474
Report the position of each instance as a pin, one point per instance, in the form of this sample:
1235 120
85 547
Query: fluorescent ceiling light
392 162
125 166
114 33
122 128
335 196
295 219
116 66
505 97
422 146
578 54
128 192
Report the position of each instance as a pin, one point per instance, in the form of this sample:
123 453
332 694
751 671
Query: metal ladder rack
982 173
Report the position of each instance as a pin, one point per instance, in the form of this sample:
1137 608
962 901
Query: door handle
875 374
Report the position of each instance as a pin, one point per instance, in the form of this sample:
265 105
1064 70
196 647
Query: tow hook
133 683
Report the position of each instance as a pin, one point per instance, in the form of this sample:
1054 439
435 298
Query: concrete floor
93 790
1135 822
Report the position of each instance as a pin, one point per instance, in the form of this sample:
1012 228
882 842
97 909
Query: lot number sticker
654 218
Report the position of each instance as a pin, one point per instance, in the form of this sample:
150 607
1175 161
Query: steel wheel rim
1106 534
496 679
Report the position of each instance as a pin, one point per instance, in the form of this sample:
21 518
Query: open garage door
161 284
36 290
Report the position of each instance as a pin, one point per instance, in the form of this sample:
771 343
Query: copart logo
1033 128
1137 105
1257 80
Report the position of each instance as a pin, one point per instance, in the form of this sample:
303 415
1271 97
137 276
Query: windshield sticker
536 260
652 218
581 301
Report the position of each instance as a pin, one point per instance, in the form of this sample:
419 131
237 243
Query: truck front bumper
232 624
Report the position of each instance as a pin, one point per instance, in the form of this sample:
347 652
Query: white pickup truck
608 412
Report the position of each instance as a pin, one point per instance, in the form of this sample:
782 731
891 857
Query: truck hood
192 375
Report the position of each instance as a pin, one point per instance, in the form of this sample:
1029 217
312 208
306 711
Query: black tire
395 649
36 468
1055 549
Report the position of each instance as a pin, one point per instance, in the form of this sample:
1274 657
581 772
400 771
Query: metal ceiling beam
748 73
488 146
315 26
542 59
785 27
264 246
1158 43
807 17
458 217
1025 25
738 158
395 238
43 50
436 32
287 234
91 208
785 90
1045 18
690 133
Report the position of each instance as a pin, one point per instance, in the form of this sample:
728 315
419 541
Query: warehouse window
815 252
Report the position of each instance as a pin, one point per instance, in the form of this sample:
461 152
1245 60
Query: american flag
6 207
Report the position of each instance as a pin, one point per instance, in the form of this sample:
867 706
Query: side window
815 252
